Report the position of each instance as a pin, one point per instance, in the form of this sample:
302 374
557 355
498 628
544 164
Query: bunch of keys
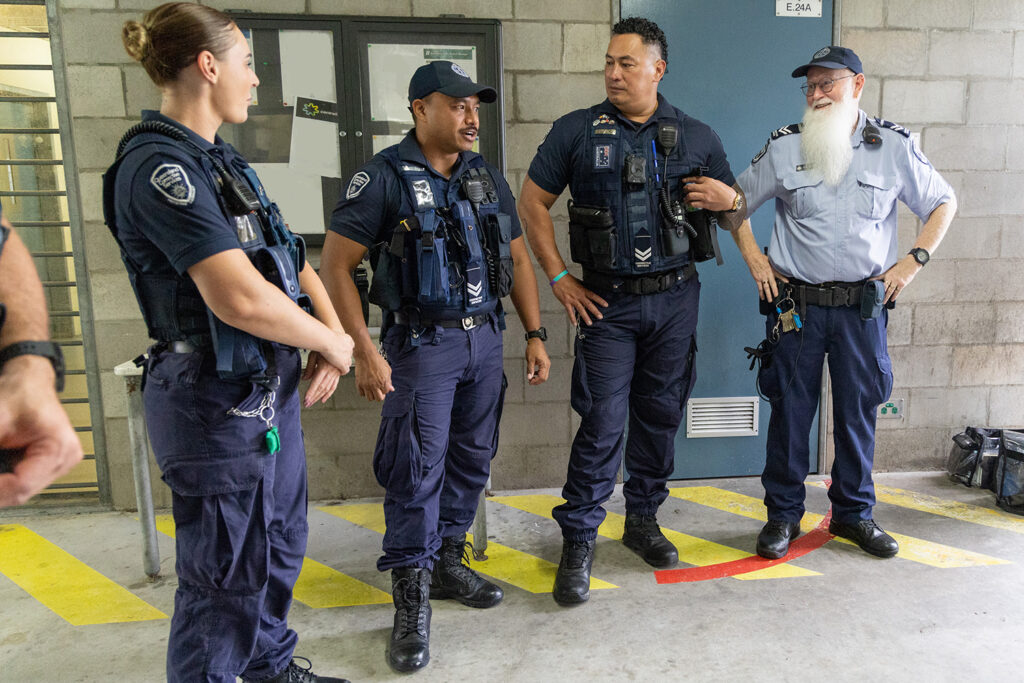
788 319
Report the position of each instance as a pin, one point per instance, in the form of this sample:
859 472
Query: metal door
729 66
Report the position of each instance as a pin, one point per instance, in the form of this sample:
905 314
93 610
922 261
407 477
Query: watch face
920 255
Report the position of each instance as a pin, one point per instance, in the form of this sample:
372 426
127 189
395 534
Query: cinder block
1015 144
999 101
497 9
991 194
349 432
96 141
921 366
531 46
544 97
523 140
918 14
988 365
565 10
90 186
910 450
947 407
979 53
934 283
998 14
112 297
901 319
275 6
140 92
556 389
1009 323
95 37
119 341
89 4
865 13
535 424
114 395
95 90
515 372
585 46
951 323
871 96
896 53
388 8
973 238
101 251
1005 407
990 280
981 148
909 101
1018 54
1012 236
526 467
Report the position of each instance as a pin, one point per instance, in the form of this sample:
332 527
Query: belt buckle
840 296
468 323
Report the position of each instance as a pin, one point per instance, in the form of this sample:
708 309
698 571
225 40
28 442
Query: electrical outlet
892 409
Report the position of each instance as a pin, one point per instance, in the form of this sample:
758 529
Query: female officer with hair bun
222 285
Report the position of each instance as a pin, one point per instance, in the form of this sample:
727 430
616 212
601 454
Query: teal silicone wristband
559 277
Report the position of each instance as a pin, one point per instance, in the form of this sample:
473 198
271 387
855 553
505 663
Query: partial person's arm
757 262
322 375
340 257
240 297
35 431
527 303
535 214
705 192
906 269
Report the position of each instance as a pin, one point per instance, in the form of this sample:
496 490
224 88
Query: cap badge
459 70
821 53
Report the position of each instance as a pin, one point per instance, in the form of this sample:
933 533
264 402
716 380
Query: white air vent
730 416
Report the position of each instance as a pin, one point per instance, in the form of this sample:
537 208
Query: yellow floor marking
318 585
520 569
74 591
692 550
965 512
913 549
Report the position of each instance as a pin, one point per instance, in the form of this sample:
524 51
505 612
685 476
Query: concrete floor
860 619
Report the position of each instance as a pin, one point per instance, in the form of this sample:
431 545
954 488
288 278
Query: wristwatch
920 255
539 333
737 203
47 349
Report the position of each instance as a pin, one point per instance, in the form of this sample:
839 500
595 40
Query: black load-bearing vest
171 306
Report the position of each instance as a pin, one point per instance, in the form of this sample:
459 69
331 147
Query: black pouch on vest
386 285
871 298
500 266
592 236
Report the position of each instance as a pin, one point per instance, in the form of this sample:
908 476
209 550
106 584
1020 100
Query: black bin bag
1009 480
972 457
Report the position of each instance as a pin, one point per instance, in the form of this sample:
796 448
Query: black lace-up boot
572 582
294 673
409 648
643 536
453 579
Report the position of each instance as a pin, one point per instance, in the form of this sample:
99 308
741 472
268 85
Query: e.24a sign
795 8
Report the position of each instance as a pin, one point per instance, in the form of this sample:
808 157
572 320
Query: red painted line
810 541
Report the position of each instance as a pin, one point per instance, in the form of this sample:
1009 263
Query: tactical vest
614 199
449 259
171 306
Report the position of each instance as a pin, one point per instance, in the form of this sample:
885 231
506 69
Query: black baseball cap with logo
449 79
832 57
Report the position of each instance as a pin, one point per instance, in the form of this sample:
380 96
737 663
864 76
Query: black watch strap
539 333
47 349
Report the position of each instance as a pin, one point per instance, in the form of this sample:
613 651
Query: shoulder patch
791 129
891 126
173 183
359 181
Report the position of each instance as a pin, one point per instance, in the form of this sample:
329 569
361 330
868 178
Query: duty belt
638 284
467 323
828 294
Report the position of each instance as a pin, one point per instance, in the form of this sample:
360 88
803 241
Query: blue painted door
729 66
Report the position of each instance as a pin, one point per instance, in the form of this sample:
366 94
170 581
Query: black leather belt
466 323
832 295
638 284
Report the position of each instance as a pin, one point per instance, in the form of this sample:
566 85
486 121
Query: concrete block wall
953 71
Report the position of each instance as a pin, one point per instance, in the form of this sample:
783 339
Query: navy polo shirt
564 158
376 200
168 213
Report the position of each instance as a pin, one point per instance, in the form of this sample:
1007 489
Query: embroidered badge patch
821 53
459 70
603 156
424 195
172 182
356 185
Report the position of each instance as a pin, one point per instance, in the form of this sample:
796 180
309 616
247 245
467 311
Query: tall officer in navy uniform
624 161
832 266
219 280
445 244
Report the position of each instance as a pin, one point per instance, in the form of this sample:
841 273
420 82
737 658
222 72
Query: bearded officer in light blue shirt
832 269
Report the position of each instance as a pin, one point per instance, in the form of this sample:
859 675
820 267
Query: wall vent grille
717 417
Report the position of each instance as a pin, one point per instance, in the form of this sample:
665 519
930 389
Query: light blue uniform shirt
845 233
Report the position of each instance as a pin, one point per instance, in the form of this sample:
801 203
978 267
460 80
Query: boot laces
300 674
648 525
414 596
576 554
455 561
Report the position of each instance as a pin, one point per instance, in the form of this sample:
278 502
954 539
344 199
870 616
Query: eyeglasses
825 86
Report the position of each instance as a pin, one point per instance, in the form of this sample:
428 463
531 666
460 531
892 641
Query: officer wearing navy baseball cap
446 245
831 57
447 78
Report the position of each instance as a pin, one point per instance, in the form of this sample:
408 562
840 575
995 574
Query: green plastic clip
273 441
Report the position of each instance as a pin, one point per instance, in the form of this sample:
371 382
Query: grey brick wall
948 69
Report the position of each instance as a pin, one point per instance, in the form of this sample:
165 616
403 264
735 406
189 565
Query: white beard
825 138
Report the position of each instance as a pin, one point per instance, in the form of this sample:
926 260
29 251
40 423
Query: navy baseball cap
832 57
447 78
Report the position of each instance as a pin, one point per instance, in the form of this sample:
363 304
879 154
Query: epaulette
892 126
791 129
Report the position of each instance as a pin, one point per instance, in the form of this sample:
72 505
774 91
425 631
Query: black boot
773 541
452 578
572 581
643 536
294 673
409 648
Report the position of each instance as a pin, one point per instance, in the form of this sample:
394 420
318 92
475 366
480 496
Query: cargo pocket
689 375
884 379
581 399
398 458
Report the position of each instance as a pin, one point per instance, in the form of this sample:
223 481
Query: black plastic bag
972 457
1010 472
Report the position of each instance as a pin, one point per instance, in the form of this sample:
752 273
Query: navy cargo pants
438 434
861 373
638 360
239 515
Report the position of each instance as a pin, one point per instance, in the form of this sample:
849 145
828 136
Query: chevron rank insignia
791 129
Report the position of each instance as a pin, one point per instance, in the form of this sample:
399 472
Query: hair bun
135 37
